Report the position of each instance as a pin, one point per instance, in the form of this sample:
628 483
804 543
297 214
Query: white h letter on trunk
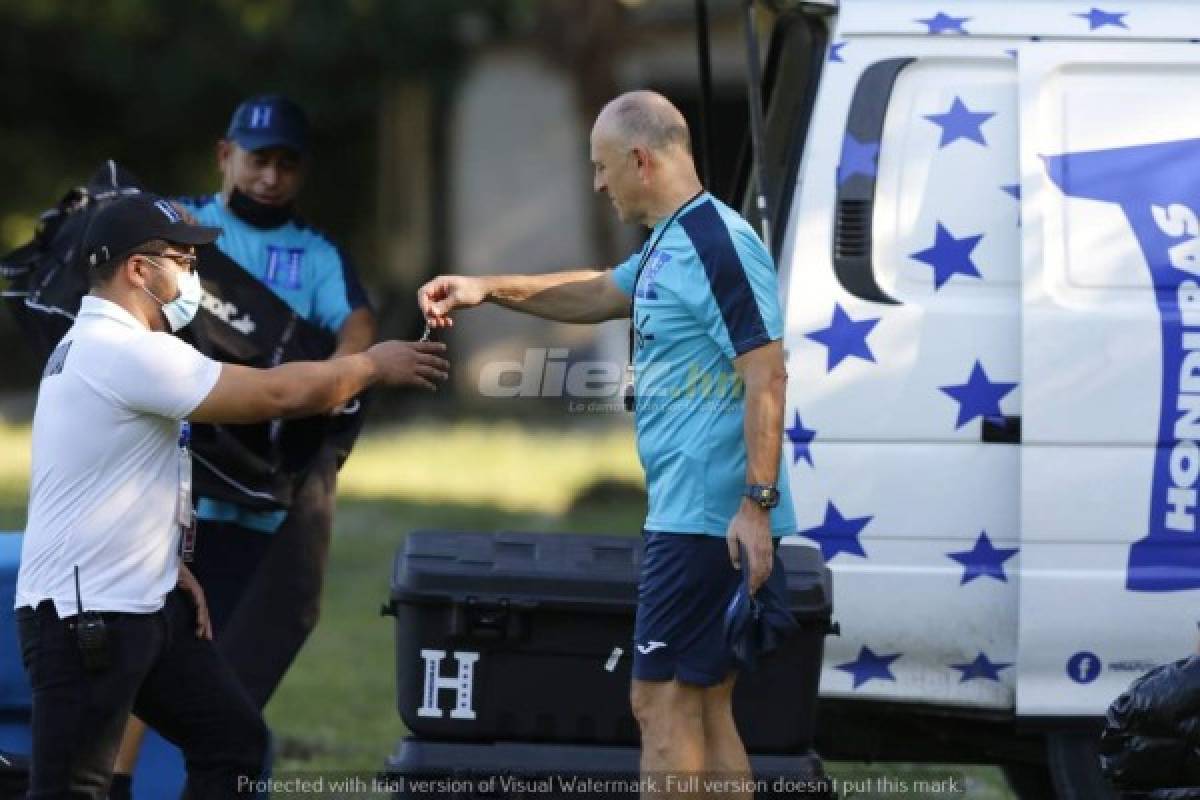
461 684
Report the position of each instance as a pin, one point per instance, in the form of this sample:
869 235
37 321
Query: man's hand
188 582
751 526
410 363
446 293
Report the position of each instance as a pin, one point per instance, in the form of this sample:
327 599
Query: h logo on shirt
647 288
260 117
284 266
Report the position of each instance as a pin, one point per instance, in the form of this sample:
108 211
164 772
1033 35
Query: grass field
336 709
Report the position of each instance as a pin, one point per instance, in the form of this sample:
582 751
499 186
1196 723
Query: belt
46 608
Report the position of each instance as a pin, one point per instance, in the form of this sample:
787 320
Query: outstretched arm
302 388
574 296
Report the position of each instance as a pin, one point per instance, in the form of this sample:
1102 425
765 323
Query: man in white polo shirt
110 621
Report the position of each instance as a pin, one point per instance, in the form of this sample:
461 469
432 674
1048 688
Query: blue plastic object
14 686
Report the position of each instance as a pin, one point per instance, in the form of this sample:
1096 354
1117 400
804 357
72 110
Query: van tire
1074 764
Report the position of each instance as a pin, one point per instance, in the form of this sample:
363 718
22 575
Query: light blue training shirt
707 294
304 269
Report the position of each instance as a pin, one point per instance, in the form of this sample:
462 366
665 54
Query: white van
987 236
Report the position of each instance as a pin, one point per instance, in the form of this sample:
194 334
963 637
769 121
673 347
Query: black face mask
260 215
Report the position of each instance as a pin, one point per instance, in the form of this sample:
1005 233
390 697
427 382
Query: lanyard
185 515
642 265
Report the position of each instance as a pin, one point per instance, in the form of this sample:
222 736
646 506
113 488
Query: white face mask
182 310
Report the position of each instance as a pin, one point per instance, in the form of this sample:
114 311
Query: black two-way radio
91 634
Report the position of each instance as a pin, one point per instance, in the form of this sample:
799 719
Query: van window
1075 117
946 211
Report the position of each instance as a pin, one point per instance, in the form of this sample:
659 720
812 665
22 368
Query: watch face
766 496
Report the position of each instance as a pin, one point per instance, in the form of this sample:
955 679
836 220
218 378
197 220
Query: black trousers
263 589
159 670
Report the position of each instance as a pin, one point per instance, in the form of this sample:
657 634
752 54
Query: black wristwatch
764 494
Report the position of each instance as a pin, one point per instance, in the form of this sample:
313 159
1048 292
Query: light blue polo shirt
708 293
305 270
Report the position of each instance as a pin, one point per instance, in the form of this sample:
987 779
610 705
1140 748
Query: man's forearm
312 387
573 296
763 428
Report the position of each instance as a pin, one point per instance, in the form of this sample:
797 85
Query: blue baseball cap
269 120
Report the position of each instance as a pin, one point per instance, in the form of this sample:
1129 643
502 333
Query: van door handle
1002 431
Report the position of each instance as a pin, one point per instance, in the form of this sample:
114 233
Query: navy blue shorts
685 586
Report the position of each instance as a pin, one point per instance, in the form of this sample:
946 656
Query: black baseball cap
269 120
124 224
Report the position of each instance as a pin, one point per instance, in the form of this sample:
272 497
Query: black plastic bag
1149 734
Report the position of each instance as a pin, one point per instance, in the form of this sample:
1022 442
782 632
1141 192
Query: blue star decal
858 158
983 560
960 122
800 437
836 534
1014 190
944 23
949 256
845 337
835 53
869 666
978 397
981 667
1098 19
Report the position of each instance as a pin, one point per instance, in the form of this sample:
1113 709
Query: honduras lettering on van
1156 186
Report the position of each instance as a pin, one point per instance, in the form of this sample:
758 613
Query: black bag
240 321
1150 738
529 637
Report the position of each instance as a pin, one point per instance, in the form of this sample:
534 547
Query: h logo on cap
168 211
260 117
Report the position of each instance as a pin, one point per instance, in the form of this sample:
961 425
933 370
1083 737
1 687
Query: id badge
185 515
630 393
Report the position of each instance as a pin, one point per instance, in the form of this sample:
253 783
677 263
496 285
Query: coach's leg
724 753
280 606
670 716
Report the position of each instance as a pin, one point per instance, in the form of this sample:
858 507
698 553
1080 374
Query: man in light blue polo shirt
709 395
707 295
263 570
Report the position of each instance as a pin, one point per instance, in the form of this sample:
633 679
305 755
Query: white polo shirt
105 475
